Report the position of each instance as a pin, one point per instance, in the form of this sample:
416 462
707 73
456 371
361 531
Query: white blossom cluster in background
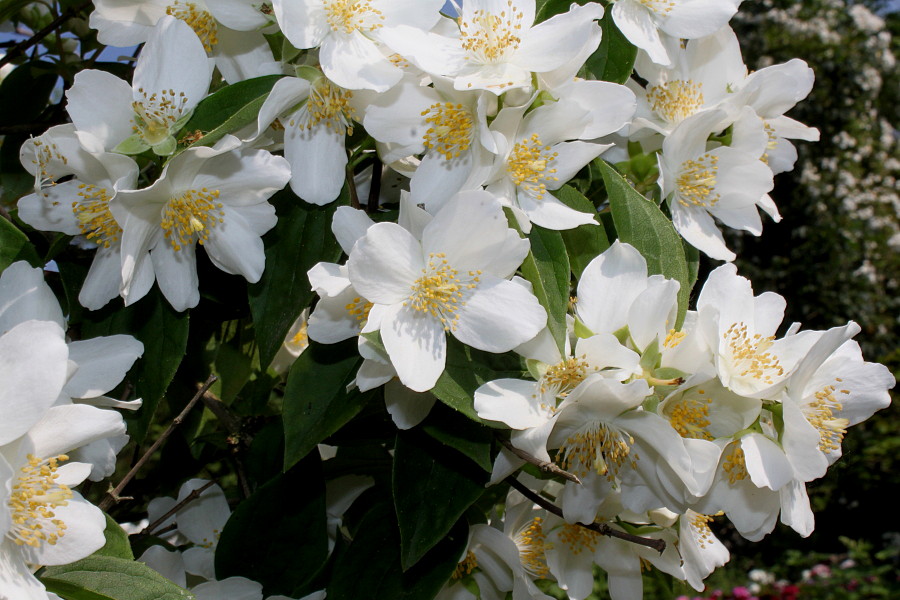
663 424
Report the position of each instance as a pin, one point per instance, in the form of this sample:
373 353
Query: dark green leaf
229 109
110 578
432 489
614 59
370 566
164 333
466 369
585 242
547 268
25 92
316 400
301 239
460 433
545 9
642 224
14 245
277 536
117 544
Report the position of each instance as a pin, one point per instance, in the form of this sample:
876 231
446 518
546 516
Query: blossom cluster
657 418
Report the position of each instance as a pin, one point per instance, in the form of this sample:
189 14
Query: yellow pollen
673 338
530 541
821 414
348 16
675 100
529 165
465 566
155 114
690 418
35 495
329 105
94 219
440 291
734 463
201 21
771 144
45 155
700 524
749 356
301 337
697 182
564 376
579 538
598 447
660 7
190 216
488 36
451 128
359 309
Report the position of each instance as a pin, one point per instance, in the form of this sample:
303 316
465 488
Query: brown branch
543 465
20 48
351 186
113 495
148 530
374 187
601 528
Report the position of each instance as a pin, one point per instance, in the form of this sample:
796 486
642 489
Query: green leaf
14 245
229 109
164 333
301 239
460 433
110 578
585 242
370 566
432 489
547 268
316 400
545 9
466 369
117 544
25 93
642 224
277 536
614 58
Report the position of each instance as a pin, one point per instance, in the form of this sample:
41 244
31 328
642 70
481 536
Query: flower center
190 216
697 182
35 495
700 526
529 165
465 566
690 418
46 155
94 219
359 309
579 538
821 414
771 144
351 15
598 447
450 131
201 21
563 377
488 37
675 100
530 542
440 291
329 105
660 7
156 115
734 463
673 338
748 354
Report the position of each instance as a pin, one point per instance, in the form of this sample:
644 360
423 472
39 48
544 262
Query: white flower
454 280
701 551
498 47
215 197
171 76
295 342
347 31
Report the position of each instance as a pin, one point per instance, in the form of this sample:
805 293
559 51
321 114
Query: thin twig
148 530
543 465
351 185
113 495
374 187
24 45
601 528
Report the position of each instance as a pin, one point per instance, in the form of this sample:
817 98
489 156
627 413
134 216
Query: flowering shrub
437 274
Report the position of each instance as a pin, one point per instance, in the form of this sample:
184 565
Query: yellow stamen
190 216
359 309
821 415
734 463
529 165
488 36
155 114
451 129
675 100
660 7
465 566
600 448
94 219
348 16
579 538
690 418
530 541
201 21
440 291
35 495
329 105
749 356
697 182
